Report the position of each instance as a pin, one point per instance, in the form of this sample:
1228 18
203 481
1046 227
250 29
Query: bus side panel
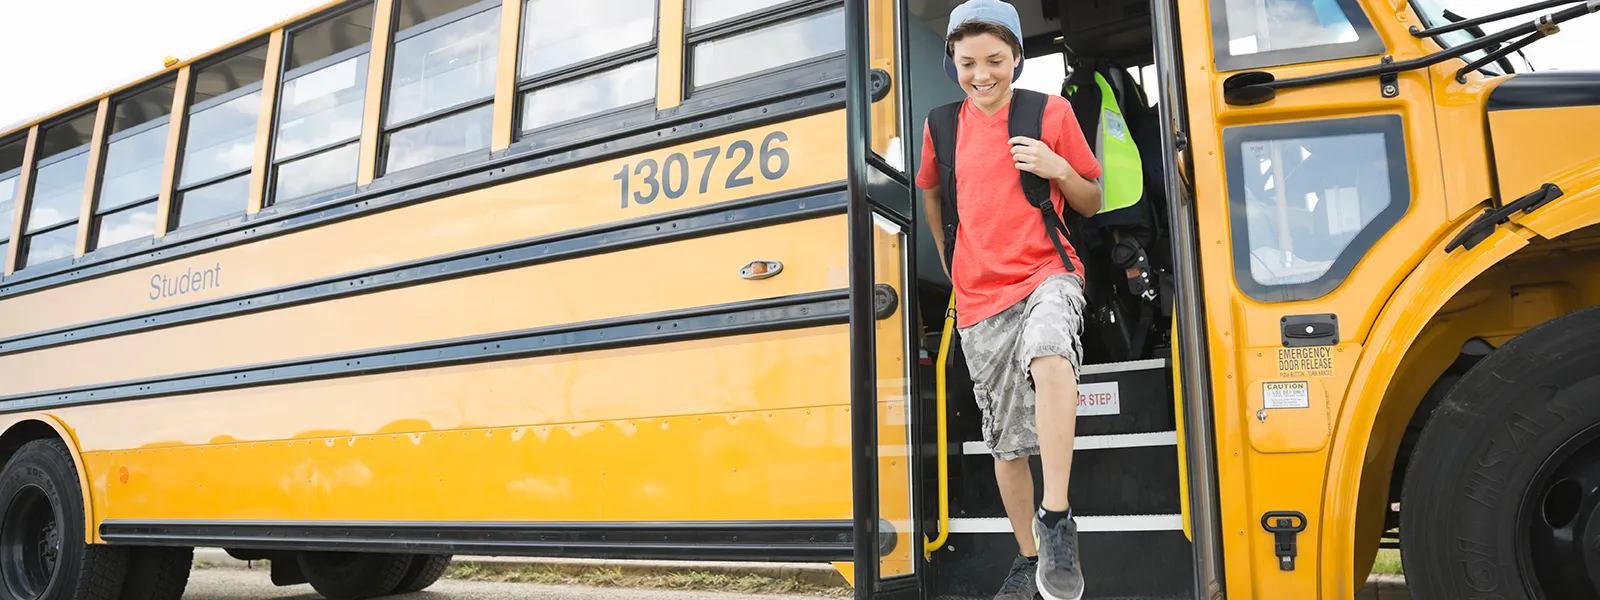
750 427
761 160
678 275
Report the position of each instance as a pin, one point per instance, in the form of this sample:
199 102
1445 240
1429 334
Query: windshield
1433 15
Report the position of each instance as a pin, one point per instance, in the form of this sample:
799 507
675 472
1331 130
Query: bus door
888 556
1308 205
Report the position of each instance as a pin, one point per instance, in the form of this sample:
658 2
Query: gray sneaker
1060 576
1019 584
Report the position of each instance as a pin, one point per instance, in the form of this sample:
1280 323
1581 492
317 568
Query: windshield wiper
1469 24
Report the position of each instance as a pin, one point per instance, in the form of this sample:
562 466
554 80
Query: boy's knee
1052 369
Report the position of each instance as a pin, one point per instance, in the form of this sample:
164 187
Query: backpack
1025 118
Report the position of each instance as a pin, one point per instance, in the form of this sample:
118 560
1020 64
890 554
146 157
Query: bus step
1124 494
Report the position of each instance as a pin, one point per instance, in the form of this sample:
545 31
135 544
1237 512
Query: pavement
234 583
240 584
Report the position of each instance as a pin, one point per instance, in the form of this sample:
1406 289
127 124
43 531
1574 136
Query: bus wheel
1502 497
157 573
354 575
43 555
425 570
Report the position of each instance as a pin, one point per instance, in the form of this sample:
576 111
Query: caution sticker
1286 394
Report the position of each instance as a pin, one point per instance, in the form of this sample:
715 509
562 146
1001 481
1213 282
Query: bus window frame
782 77
18 200
97 212
179 189
1368 42
386 131
269 195
621 118
1390 125
24 248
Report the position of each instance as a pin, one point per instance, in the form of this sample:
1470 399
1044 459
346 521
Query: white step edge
1098 442
1118 367
1113 523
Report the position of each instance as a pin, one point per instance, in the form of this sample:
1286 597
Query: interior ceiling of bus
1106 29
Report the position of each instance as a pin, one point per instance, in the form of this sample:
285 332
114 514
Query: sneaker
1060 577
1019 584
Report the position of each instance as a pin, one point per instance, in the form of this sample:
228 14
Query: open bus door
928 521
888 545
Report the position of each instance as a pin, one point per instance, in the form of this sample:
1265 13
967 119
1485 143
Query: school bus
398 280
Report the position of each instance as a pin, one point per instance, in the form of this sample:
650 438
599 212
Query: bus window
10 172
1261 33
220 140
441 95
745 42
1309 199
130 183
568 52
318 141
51 231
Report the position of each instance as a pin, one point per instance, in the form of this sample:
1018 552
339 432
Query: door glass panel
896 494
1309 198
886 141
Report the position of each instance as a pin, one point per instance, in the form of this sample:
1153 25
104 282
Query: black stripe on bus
748 213
740 318
759 105
782 541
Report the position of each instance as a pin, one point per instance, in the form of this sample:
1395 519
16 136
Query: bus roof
13 129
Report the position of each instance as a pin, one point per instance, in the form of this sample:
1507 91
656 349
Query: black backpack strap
1027 119
942 128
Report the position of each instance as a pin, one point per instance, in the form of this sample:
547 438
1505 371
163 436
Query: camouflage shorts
1000 349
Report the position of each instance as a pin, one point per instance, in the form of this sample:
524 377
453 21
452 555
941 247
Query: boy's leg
1001 388
1056 382
1016 492
1052 350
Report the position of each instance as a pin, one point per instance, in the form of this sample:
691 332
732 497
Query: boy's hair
978 27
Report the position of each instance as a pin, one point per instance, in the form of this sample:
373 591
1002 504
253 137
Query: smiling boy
1019 305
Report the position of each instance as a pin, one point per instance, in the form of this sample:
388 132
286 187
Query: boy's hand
1033 156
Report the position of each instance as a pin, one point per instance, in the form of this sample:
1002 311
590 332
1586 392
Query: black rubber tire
43 469
425 570
1480 451
157 573
354 575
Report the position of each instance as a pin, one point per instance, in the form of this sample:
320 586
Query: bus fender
9 423
1435 281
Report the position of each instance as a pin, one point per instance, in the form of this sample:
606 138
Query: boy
1019 308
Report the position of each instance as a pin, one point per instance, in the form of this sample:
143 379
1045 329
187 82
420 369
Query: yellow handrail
944 460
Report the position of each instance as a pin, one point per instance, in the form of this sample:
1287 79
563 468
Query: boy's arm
932 205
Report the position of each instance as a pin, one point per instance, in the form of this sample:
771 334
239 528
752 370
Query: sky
65 51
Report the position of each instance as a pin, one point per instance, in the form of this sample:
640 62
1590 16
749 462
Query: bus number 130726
673 175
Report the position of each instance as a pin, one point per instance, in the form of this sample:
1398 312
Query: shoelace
1018 579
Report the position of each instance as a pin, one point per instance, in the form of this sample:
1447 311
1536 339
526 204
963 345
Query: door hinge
1282 525
1486 223
1389 83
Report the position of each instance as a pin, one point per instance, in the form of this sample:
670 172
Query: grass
616 578
1387 562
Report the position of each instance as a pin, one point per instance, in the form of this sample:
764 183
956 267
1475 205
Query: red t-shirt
1002 249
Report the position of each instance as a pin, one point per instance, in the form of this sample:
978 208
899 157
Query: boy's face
984 66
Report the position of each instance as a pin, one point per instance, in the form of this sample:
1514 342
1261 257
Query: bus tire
43 554
425 570
354 575
1504 466
157 573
